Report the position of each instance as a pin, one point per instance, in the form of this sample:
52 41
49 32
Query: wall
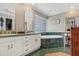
53 26
20 17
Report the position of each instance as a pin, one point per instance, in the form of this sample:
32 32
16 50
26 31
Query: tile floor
44 51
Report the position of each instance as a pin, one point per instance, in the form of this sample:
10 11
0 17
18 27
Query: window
40 24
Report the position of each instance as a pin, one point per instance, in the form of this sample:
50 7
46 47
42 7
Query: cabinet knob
11 45
26 49
26 45
8 46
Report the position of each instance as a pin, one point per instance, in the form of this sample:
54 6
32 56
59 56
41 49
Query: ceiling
47 9
7 5
7 10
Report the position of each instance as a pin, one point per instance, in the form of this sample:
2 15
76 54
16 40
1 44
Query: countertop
12 35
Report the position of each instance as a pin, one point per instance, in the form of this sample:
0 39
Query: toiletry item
1 23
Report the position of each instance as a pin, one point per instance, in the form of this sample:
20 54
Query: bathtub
51 36
52 41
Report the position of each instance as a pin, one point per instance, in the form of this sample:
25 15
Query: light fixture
72 7
33 3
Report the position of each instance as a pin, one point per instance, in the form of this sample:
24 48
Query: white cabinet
36 42
32 43
5 47
27 47
19 45
11 46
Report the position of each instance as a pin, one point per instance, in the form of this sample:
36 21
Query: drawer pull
26 45
26 49
26 37
8 46
26 41
11 45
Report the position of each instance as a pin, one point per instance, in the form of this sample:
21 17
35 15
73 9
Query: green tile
44 51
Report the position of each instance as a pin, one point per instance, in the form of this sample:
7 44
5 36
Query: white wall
52 26
20 17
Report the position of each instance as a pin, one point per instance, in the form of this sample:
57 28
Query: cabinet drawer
26 50
26 37
26 41
26 45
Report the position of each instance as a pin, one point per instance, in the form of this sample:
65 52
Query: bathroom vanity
19 44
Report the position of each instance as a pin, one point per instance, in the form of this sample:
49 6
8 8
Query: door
75 41
17 46
5 49
35 40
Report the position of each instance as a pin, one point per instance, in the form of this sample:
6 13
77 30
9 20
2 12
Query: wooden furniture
75 41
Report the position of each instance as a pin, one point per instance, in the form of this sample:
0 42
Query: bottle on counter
1 23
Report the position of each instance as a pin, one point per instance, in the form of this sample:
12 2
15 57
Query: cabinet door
35 42
5 47
17 46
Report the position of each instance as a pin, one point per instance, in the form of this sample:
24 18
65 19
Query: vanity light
33 3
